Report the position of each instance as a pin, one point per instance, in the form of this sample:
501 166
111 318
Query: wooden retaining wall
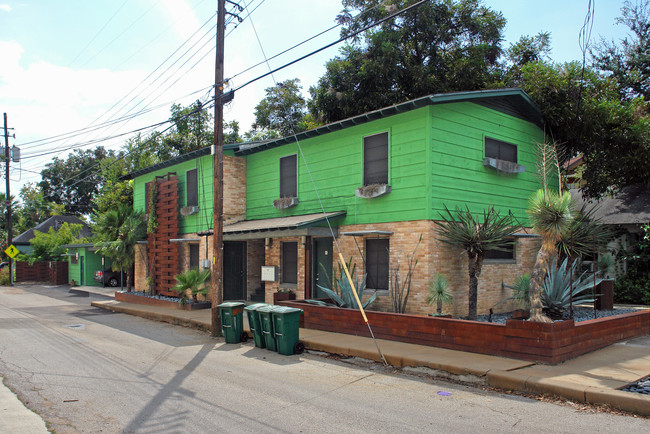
541 342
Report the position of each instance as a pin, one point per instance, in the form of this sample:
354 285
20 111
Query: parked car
3 265
111 278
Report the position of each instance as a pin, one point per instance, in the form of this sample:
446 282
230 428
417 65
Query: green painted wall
458 177
435 159
336 164
193 223
92 262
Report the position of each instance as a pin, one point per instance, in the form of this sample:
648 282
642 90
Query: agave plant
194 280
346 297
558 286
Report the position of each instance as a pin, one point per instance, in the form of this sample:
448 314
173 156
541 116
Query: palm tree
550 215
194 280
117 232
462 230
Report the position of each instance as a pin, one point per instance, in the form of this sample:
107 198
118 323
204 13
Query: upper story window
377 263
192 187
375 159
289 263
288 176
500 150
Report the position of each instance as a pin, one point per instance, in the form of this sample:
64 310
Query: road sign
11 251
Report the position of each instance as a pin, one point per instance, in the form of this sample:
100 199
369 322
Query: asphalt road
88 370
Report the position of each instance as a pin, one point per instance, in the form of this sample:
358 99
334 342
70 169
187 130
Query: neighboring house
22 241
83 262
625 212
371 186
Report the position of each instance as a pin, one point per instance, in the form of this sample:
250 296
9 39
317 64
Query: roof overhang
292 226
365 233
185 240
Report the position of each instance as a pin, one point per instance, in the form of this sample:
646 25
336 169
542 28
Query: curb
518 381
154 316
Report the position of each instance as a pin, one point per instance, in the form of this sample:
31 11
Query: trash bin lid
283 310
268 308
255 306
231 304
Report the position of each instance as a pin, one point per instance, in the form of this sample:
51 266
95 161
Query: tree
282 109
583 112
117 232
629 63
463 230
47 246
444 46
192 128
75 181
34 209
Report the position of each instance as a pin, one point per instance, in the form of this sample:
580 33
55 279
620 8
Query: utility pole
217 150
9 229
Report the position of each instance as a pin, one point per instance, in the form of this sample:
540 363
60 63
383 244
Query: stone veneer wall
433 256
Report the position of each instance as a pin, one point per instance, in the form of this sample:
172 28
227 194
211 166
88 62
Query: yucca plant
194 280
439 293
463 230
558 286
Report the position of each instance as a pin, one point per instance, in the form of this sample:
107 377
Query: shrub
4 276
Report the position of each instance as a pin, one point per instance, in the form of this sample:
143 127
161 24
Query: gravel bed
641 386
162 297
579 314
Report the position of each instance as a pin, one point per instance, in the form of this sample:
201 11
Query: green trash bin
232 321
254 324
266 326
286 326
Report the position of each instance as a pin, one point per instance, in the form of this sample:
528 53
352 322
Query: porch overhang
366 233
292 226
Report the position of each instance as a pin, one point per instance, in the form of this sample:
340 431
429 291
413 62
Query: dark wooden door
82 277
322 266
234 270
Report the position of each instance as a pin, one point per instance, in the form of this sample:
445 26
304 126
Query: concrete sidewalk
592 378
15 418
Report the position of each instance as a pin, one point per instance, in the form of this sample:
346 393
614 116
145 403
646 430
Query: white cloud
5 8
183 17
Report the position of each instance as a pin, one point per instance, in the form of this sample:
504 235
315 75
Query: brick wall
234 189
433 256
272 257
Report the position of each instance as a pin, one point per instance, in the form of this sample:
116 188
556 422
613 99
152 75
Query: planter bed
539 342
148 300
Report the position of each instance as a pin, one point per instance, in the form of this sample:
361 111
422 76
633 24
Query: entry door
234 270
81 271
322 266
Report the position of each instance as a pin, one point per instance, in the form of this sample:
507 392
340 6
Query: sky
70 64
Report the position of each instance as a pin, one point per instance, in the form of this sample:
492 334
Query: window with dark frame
194 256
508 254
192 187
288 176
289 262
375 159
500 150
377 257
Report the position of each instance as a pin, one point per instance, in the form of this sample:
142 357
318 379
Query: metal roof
631 205
362 233
278 223
514 97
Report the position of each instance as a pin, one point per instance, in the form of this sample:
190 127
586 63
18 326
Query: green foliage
116 234
47 246
437 47
194 280
4 276
584 235
550 213
438 292
464 231
152 219
282 110
113 194
634 286
75 181
192 129
400 289
559 285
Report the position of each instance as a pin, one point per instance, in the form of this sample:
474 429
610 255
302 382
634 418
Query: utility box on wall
269 273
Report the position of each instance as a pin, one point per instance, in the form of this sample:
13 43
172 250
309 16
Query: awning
291 226
185 240
363 233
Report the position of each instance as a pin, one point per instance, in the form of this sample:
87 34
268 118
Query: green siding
190 224
458 177
336 164
92 262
